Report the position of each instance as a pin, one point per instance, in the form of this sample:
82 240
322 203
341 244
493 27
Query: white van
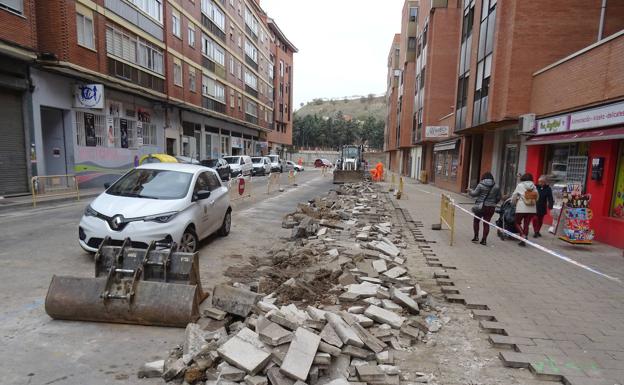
239 164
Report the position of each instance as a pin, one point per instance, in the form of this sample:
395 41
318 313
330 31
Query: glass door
510 168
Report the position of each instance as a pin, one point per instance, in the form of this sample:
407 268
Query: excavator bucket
348 176
150 286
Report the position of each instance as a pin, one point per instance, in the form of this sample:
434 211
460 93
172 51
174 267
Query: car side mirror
107 185
201 195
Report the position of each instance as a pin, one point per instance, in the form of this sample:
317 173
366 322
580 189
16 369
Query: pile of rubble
330 306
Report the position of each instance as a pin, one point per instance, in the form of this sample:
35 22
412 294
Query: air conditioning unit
526 123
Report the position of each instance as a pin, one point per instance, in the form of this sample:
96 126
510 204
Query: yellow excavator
350 167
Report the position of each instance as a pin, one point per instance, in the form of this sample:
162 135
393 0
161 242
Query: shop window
617 207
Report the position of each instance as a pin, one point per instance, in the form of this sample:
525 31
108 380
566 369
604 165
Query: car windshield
351 152
273 158
256 160
233 160
152 184
210 162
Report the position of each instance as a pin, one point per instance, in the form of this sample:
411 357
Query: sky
343 44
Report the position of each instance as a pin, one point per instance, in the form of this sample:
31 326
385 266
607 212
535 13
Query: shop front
446 164
585 150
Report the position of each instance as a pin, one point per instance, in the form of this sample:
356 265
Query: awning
444 146
580 136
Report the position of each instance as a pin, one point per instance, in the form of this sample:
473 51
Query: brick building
390 130
111 80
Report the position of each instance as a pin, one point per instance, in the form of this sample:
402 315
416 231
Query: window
251 108
240 71
13 5
413 13
177 72
191 35
213 89
192 79
133 50
484 65
240 102
281 68
251 51
271 71
219 55
251 21
232 99
251 80
464 67
214 13
176 23
232 66
149 134
151 7
213 50
411 43
84 29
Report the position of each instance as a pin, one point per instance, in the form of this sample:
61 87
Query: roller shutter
13 171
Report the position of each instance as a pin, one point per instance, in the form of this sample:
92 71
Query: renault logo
117 221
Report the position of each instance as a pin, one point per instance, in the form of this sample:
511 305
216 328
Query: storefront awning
581 136
445 146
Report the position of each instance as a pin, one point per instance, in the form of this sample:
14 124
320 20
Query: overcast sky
343 44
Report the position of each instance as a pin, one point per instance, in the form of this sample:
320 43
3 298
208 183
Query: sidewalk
25 201
563 322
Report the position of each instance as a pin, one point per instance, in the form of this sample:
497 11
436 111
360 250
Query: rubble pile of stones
332 305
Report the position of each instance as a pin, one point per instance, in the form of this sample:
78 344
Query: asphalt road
37 243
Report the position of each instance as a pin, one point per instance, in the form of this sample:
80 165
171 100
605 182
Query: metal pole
603 10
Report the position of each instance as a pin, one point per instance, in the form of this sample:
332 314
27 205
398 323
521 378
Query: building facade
112 80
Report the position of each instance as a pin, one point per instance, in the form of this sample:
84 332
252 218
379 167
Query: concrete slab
329 335
234 300
344 331
275 335
245 351
384 316
301 354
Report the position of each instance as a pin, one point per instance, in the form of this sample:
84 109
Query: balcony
251 62
213 105
251 91
134 75
251 33
212 27
208 64
251 119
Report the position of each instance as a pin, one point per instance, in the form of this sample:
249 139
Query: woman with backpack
525 198
488 195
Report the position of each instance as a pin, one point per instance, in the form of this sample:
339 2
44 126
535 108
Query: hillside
357 108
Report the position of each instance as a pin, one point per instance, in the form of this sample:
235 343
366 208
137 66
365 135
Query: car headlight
89 212
161 218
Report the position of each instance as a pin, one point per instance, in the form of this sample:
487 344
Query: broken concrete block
366 267
194 340
322 358
213 313
333 253
411 332
277 378
380 265
405 300
390 305
370 373
399 260
344 331
347 279
329 335
349 297
234 300
316 314
228 372
363 320
278 353
281 320
175 369
384 316
385 357
266 307
321 231
356 309
371 342
370 280
395 272
275 335
354 351
390 370
373 301
364 289
245 351
256 380
339 381
331 349
152 369
300 354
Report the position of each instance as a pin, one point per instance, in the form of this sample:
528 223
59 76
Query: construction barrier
240 188
423 177
273 182
399 193
292 178
54 185
447 214
325 171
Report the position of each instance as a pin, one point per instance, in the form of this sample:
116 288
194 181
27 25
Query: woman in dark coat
488 195
544 203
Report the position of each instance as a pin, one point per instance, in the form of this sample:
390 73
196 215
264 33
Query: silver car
261 165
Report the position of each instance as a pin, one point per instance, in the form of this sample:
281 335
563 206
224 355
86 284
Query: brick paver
562 322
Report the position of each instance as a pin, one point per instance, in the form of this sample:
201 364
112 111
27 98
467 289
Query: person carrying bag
525 198
488 195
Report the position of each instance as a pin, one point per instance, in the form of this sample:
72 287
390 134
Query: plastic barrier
292 178
54 185
447 214
273 182
240 188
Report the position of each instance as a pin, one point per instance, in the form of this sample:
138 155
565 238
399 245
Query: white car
162 202
240 165
276 163
261 165
290 165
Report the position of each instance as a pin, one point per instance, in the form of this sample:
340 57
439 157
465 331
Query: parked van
239 164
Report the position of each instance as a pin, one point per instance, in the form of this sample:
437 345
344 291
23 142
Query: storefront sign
552 125
598 117
263 145
445 146
237 142
89 96
437 131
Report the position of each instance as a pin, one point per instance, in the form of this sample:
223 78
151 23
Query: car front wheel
227 223
189 241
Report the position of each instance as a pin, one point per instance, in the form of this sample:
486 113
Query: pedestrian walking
488 195
525 198
545 202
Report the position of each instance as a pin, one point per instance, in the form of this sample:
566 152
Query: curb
44 203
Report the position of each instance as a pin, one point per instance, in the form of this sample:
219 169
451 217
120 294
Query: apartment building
282 58
391 142
112 80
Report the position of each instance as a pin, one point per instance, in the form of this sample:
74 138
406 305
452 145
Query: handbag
477 209
530 197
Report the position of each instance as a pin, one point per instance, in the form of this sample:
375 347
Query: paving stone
329 335
316 314
347 279
212 312
354 351
384 316
390 305
356 309
370 373
171 371
244 351
322 358
404 300
367 267
331 349
385 357
193 340
344 331
502 341
380 265
371 342
395 272
152 369
256 380
301 354
281 320
230 373
364 289
274 335
234 300
277 378
520 360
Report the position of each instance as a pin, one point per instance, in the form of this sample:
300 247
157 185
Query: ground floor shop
578 150
447 164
